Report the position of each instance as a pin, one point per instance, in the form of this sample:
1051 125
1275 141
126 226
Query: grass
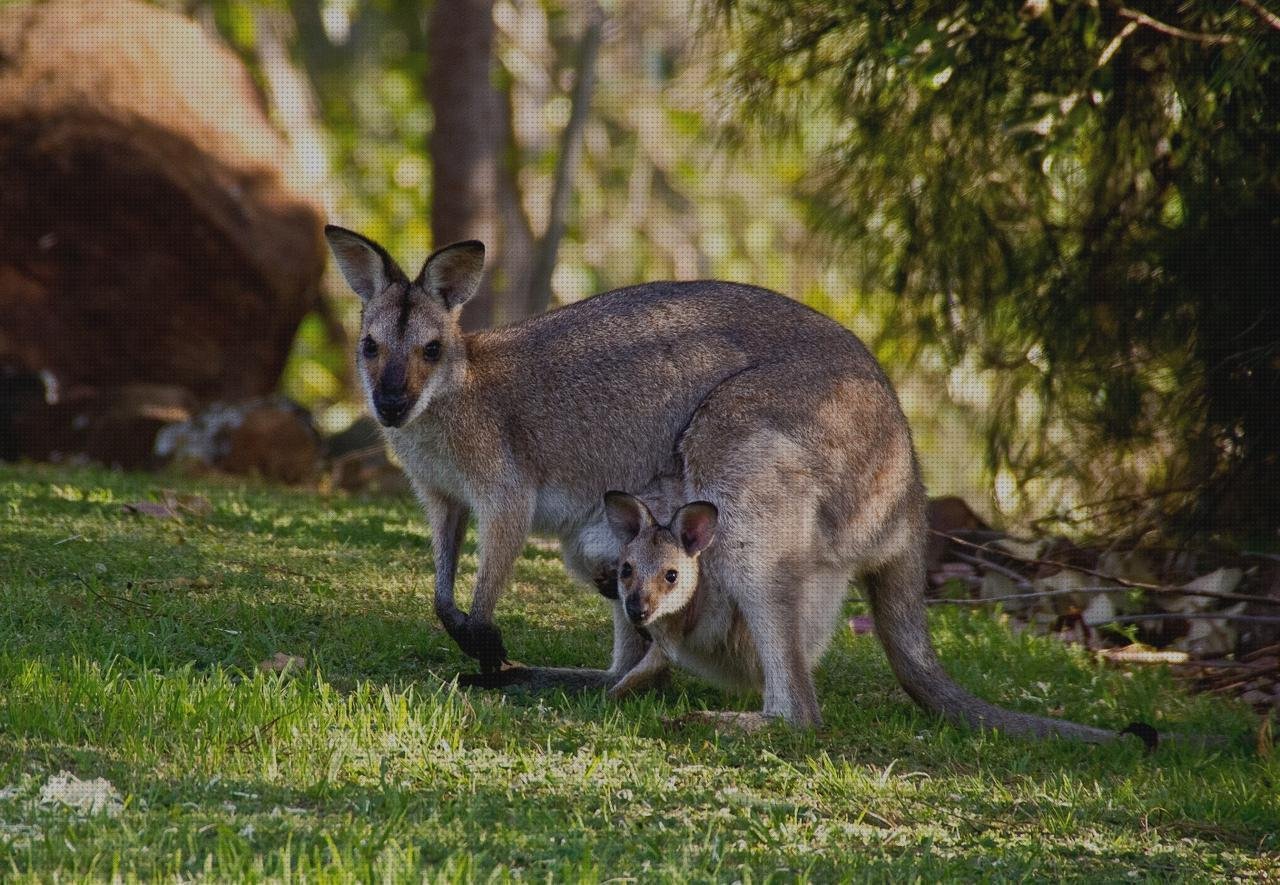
129 648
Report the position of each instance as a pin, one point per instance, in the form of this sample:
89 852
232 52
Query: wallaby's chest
430 463
711 639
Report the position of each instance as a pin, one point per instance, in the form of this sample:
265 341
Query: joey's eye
369 347
671 576
432 351
625 571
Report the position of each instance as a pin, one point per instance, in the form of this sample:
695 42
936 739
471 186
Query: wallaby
693 623
775 414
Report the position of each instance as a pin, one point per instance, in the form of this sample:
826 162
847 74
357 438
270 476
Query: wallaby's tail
897 603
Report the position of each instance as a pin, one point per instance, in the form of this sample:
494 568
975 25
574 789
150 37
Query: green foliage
129 649
1080 203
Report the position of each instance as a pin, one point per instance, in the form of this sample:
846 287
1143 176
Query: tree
1082 198
475 193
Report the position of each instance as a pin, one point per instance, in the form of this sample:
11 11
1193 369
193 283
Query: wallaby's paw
725 720
480 641
607 583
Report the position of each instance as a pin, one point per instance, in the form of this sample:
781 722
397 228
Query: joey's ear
695 525
366 265
454 272
627 515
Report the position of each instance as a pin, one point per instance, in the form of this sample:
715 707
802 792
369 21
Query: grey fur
772 412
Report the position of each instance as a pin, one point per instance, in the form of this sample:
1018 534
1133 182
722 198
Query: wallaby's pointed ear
627 515
454 272
695 525
366 265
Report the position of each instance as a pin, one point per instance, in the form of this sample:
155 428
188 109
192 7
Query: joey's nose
635 610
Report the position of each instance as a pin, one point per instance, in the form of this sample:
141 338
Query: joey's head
658 564
411 346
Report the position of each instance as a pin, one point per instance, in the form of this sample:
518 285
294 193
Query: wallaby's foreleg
502 531
448 521
652 666
629 647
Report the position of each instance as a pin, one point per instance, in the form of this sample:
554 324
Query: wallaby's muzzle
391 407
636 609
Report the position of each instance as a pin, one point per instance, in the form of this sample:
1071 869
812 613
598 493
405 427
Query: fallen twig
261 731
106 598
1021 581
1039 594
1190 616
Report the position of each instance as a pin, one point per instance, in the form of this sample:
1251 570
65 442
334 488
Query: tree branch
1265 15
544 262
1169 30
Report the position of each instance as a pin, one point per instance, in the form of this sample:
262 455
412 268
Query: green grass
128 651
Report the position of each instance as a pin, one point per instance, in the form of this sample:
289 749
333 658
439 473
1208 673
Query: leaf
1021 549
150 508
1132 567
1100 610
1224 580
282 663
862 624
171 505
1210 637
1142 654
1067 580
996 585
97 796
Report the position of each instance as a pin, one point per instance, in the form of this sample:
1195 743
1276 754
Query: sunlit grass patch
130 651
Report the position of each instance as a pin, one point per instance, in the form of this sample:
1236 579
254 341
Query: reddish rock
146 233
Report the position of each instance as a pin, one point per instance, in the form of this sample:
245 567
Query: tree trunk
467 141
474 191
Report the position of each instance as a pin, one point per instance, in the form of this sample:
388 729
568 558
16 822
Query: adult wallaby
774 413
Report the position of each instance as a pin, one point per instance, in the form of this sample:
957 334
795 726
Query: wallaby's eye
671 576
625 571
369 347
432 351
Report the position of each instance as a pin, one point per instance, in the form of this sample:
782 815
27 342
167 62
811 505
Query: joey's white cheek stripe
677 598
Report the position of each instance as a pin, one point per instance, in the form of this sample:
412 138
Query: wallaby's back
607 377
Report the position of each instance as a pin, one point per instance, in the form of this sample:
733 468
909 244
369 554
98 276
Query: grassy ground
129 648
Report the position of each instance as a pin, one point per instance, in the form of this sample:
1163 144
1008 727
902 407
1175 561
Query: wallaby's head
411 343
658 566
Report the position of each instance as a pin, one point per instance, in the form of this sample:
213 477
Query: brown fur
770 411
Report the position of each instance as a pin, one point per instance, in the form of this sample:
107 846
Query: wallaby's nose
635 609
391 408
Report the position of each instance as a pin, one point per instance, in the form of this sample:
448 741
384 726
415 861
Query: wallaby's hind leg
652 667
789 692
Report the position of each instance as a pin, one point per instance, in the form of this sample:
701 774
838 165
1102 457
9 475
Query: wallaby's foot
505 676
567 679
480 641
726 720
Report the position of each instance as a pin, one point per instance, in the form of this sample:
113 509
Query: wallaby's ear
366 265
695 525
454 272
628 516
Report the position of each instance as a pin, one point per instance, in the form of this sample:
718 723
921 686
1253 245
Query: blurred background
1056 224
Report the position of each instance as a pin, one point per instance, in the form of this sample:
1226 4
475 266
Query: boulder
147 234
